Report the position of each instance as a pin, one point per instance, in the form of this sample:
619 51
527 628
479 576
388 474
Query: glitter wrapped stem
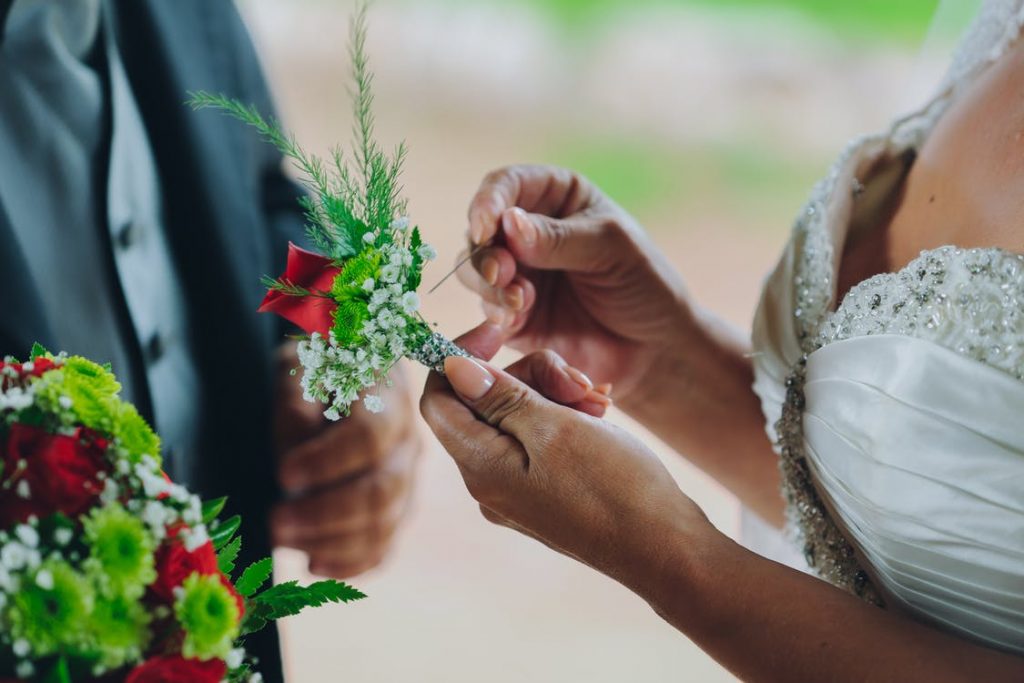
433 352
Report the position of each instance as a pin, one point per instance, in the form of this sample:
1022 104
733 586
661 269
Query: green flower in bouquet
119 627
134 434
121 550
209 615
51 610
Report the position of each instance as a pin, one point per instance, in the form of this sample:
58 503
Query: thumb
578 243
501 400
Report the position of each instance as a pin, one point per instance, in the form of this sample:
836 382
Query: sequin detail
968 300
435 350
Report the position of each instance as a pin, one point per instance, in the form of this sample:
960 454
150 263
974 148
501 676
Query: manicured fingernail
524 228
579 377
599 398
513 296
496 314
468 377
605 388
489 269
476 229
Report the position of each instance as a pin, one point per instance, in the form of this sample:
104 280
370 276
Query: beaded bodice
970 301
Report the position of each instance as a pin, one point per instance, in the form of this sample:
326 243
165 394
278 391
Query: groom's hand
347 483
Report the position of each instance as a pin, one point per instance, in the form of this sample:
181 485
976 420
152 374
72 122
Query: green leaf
37 351
416 269
223 531
256 617
289 598
212 508
60 673
227 555
254 576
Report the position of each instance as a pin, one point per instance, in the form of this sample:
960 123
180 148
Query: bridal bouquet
355 297
109 570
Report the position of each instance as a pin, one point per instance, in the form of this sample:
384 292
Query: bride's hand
576 483
567 269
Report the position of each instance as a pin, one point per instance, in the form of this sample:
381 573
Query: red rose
315 273
39 366
174 564
176 669
61 473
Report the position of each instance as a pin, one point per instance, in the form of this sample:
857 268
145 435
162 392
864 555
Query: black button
154 350
128 235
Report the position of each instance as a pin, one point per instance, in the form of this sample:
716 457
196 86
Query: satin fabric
920 453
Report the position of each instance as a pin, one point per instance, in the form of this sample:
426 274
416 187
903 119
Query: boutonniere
355 295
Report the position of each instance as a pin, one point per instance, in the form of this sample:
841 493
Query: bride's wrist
669 557
675 366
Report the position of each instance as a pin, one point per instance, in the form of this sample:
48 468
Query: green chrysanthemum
120 630
349 317
359 268
52 609
134 435
209 615
121 550
98 377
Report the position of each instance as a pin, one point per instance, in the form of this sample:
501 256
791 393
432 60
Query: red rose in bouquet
313 273
174 564
176 669
50 473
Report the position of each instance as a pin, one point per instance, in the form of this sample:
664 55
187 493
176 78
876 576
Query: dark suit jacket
230 213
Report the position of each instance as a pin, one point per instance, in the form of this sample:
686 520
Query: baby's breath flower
427 252
373 403
410 302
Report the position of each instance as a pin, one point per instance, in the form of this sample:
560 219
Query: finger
342 572
483 341
495 265
344 449
502 401
549 374
348 549
351 507
579 243
544 189
480 451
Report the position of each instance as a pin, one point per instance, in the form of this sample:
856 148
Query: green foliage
346 198
60 672
254 576
38 350
289 598
221 532
227 555
213 508
886 19
415 274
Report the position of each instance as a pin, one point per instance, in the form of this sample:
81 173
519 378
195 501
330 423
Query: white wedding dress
899 413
